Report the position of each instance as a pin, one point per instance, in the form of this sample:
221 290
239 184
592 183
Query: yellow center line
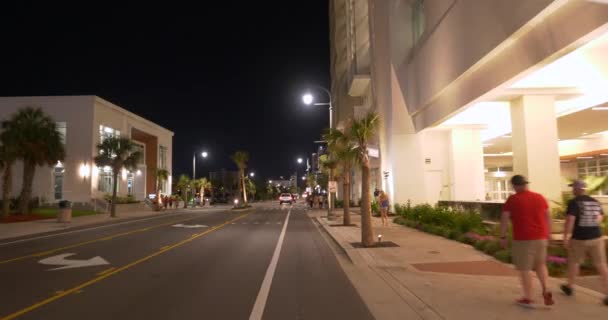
163 248
106 271
80 244
100 277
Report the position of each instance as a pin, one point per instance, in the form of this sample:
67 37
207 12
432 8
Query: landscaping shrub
492 247
479 245
503 255
454 235
121 199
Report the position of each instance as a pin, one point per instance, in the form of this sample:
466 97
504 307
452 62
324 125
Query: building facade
84 121
472 92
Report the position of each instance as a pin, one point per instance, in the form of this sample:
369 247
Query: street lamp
204 154
269 181
308 99
300 160
252 174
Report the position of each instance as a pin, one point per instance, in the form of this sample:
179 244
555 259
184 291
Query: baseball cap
578 184
518 180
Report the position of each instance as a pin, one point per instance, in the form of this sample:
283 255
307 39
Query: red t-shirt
528 215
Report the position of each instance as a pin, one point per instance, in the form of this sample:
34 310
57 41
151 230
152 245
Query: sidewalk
429 277
21 229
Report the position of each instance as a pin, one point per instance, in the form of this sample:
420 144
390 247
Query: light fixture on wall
138 172
84 171
499 174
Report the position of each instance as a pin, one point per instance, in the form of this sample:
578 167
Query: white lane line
260 301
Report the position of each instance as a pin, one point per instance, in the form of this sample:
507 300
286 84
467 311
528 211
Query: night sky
223 77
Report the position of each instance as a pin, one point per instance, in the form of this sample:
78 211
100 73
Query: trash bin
65 211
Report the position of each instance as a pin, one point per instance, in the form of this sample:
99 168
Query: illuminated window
107 132
596 167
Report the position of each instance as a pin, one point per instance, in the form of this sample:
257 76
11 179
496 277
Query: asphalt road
269 263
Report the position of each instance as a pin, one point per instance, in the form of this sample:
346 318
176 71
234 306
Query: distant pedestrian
384 205
583 236
316 201
530 217
170 202
165 201
376 193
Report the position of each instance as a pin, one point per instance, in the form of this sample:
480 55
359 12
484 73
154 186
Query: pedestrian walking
384 204
583 236
530 218
170 202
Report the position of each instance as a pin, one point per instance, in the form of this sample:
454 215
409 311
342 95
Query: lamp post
308 99
204 154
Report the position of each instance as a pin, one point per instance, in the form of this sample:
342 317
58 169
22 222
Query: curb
351 252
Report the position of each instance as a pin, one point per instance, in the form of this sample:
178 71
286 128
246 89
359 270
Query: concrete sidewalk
430 277
22 229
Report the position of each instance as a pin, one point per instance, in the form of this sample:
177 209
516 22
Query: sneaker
526 303
548 296
566 289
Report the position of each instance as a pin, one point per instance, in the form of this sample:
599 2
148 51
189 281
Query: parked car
286 198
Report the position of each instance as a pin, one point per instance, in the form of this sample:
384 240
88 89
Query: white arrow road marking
189 225
60 260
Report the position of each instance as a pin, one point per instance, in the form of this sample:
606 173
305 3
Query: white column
467 181
535 144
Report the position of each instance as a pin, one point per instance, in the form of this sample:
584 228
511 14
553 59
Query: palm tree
330 164
361 131
251 188
7 158
34 137
162 175
183 184
204 184
240 158
311 180
118 154
342 147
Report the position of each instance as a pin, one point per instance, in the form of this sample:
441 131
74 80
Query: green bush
375 208
492 247
464 239
121 199
400 220
454 235
480 245
503 255
556 270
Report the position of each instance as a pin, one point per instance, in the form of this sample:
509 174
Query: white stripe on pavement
260 301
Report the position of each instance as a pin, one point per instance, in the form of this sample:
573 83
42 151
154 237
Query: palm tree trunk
185 196
29 170
346 197
367 234
114 191
330 212
7 178
244 187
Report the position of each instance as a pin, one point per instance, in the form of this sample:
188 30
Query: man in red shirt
530 217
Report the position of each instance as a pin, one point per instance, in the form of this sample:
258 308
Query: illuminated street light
307 98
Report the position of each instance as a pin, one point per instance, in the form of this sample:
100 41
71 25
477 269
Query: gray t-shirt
586 210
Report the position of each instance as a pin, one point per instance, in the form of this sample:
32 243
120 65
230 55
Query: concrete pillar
466 169
535 144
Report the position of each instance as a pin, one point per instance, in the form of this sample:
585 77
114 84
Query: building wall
77 112
108 114
82 115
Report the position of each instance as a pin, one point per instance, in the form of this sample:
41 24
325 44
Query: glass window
104 183
62 129
593 167
58 172
141 149
107 132
162 157
417 20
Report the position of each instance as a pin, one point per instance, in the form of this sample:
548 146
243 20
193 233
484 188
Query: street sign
60 260
333 186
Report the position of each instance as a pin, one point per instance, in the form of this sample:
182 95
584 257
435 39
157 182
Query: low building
84 121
